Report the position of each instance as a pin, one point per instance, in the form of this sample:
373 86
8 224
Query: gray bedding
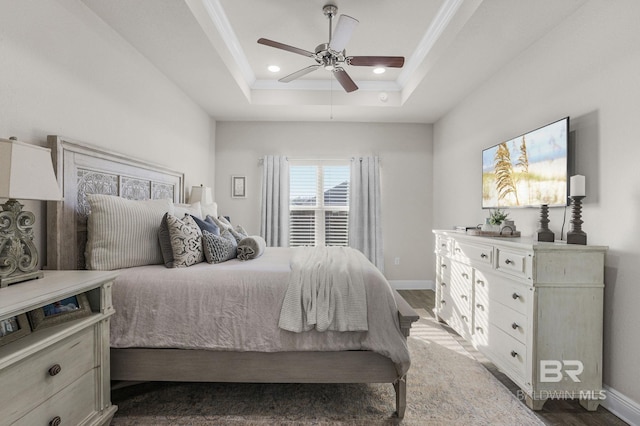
235 306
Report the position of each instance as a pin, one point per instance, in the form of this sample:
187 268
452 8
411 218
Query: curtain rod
261 160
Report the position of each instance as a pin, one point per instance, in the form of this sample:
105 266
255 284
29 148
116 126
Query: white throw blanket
326 291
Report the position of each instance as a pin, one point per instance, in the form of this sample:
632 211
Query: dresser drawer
73 405
511 322
442 245
510 353
511 294
477 253
514 263
34 379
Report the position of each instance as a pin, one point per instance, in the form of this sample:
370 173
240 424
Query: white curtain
274 221
365 220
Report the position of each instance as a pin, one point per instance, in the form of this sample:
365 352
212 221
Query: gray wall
587 68
405 152
65 72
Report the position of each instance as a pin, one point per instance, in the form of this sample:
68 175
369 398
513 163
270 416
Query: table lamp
202 194
26 173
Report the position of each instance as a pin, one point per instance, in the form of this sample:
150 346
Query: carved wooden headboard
84 169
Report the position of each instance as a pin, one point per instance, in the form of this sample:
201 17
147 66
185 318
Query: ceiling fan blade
299 73
341 36
345 81
286 47
376 61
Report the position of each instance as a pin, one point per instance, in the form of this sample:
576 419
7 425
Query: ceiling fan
331 56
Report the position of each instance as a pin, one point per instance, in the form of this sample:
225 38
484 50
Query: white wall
406 174
587 68
65 72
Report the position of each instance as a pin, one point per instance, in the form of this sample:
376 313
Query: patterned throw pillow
238 233
207 225
219 248
186 241
221 222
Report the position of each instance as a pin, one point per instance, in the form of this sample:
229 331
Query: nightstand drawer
72 405
45 373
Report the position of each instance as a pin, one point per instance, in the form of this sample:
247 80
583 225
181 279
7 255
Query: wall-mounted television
528 170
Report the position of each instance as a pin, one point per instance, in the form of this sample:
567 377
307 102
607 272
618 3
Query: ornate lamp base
576 235
18 254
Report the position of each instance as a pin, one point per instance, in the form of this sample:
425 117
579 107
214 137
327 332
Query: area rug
446 386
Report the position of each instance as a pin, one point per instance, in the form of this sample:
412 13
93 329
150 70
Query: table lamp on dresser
26 173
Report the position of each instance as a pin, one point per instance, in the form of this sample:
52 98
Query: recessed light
273 68
379 70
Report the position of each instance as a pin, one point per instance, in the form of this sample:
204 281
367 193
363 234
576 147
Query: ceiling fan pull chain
331 97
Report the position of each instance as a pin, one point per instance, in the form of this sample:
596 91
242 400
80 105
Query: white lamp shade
202 194
26 172
344 31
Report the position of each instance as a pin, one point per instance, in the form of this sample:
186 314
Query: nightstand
58 374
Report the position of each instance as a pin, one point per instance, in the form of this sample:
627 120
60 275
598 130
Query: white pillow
209 210
123 233
193 209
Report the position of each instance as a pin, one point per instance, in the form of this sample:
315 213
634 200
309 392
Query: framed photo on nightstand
13 328
64 310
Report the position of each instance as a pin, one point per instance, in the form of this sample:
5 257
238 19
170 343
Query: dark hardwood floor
554 412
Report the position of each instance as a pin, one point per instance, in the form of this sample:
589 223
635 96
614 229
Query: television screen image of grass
527 171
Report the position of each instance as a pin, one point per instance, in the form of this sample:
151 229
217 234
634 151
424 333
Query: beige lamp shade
202 194
26 172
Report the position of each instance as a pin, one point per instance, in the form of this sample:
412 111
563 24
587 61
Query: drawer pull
443 302
465 275
514 354
480 282
479 329
464 317
55 421
443 244
509 262
444 265
515 296
443 284
54 370
484 256
464 296
479 306
515 326
458 249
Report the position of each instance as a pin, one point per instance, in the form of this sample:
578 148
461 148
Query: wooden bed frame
83 169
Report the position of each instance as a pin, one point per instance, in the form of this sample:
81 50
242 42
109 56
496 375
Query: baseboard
620 405
412 284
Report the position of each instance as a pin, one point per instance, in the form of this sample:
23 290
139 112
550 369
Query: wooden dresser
534 309
58 374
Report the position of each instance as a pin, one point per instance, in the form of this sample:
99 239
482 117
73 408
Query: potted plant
497 216
494 221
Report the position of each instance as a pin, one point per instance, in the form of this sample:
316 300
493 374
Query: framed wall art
13 328
238 186
64 310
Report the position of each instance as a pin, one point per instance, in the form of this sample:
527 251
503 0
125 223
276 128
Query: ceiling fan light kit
331 56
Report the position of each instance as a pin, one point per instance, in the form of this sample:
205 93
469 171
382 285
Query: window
319 203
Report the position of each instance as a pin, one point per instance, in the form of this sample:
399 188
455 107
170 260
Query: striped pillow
123 233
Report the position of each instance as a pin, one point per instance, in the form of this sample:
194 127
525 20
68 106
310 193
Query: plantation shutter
319 203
